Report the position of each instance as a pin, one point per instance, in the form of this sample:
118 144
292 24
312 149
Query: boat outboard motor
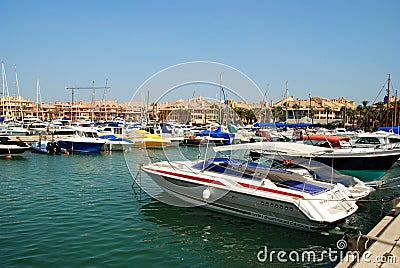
49 148
57 148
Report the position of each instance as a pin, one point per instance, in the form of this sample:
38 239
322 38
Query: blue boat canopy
278 124
390 129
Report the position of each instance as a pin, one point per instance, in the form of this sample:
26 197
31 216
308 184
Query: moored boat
266 193
85 140
9 147
151 141
368 161
44 146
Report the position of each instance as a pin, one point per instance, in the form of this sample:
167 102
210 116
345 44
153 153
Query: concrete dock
382 242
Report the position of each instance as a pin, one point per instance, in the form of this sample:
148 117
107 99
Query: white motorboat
254 191
368 158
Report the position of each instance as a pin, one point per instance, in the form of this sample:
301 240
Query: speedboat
84 140
9 147
368 158
255 191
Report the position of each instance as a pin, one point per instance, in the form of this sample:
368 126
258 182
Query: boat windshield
90 134
324 172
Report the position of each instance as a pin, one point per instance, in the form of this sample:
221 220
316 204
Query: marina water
80 210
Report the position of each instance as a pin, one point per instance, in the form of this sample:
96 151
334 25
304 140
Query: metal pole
388 101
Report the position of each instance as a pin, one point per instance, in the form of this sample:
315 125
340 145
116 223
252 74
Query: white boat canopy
294 149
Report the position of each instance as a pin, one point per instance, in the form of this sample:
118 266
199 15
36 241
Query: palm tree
343 111
241 113
351 113
381 109
359 115
295 107
250 116
327 110
277 113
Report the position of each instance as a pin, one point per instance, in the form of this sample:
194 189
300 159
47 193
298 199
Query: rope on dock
380 183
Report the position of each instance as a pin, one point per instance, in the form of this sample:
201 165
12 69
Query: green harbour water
80 211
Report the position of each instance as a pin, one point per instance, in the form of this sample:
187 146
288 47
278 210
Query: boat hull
151 144
366 167
273 211
203 142
12 151
81 147
117 146
9 147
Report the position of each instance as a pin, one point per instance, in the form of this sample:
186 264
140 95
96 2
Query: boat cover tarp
218 133
278 124
301 186
166 128
390 129
214 164
296 149
324 172
114 138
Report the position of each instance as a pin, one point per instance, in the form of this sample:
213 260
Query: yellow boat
151 141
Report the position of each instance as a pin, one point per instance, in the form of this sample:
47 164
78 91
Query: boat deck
255 172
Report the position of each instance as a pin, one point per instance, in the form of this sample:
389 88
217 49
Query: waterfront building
313 110
198 110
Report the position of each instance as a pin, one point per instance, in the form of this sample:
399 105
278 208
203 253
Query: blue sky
324 48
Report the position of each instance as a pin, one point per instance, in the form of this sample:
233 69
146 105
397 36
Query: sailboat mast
388 101
220 98
105 99
395 110
17 95
37 98
3 87
5 91
92 102
286 103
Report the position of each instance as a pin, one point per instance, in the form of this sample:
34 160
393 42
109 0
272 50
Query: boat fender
287 162
206 194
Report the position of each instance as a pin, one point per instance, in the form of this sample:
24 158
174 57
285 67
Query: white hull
247 198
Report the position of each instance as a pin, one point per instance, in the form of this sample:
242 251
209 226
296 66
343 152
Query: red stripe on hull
269 190
189 177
